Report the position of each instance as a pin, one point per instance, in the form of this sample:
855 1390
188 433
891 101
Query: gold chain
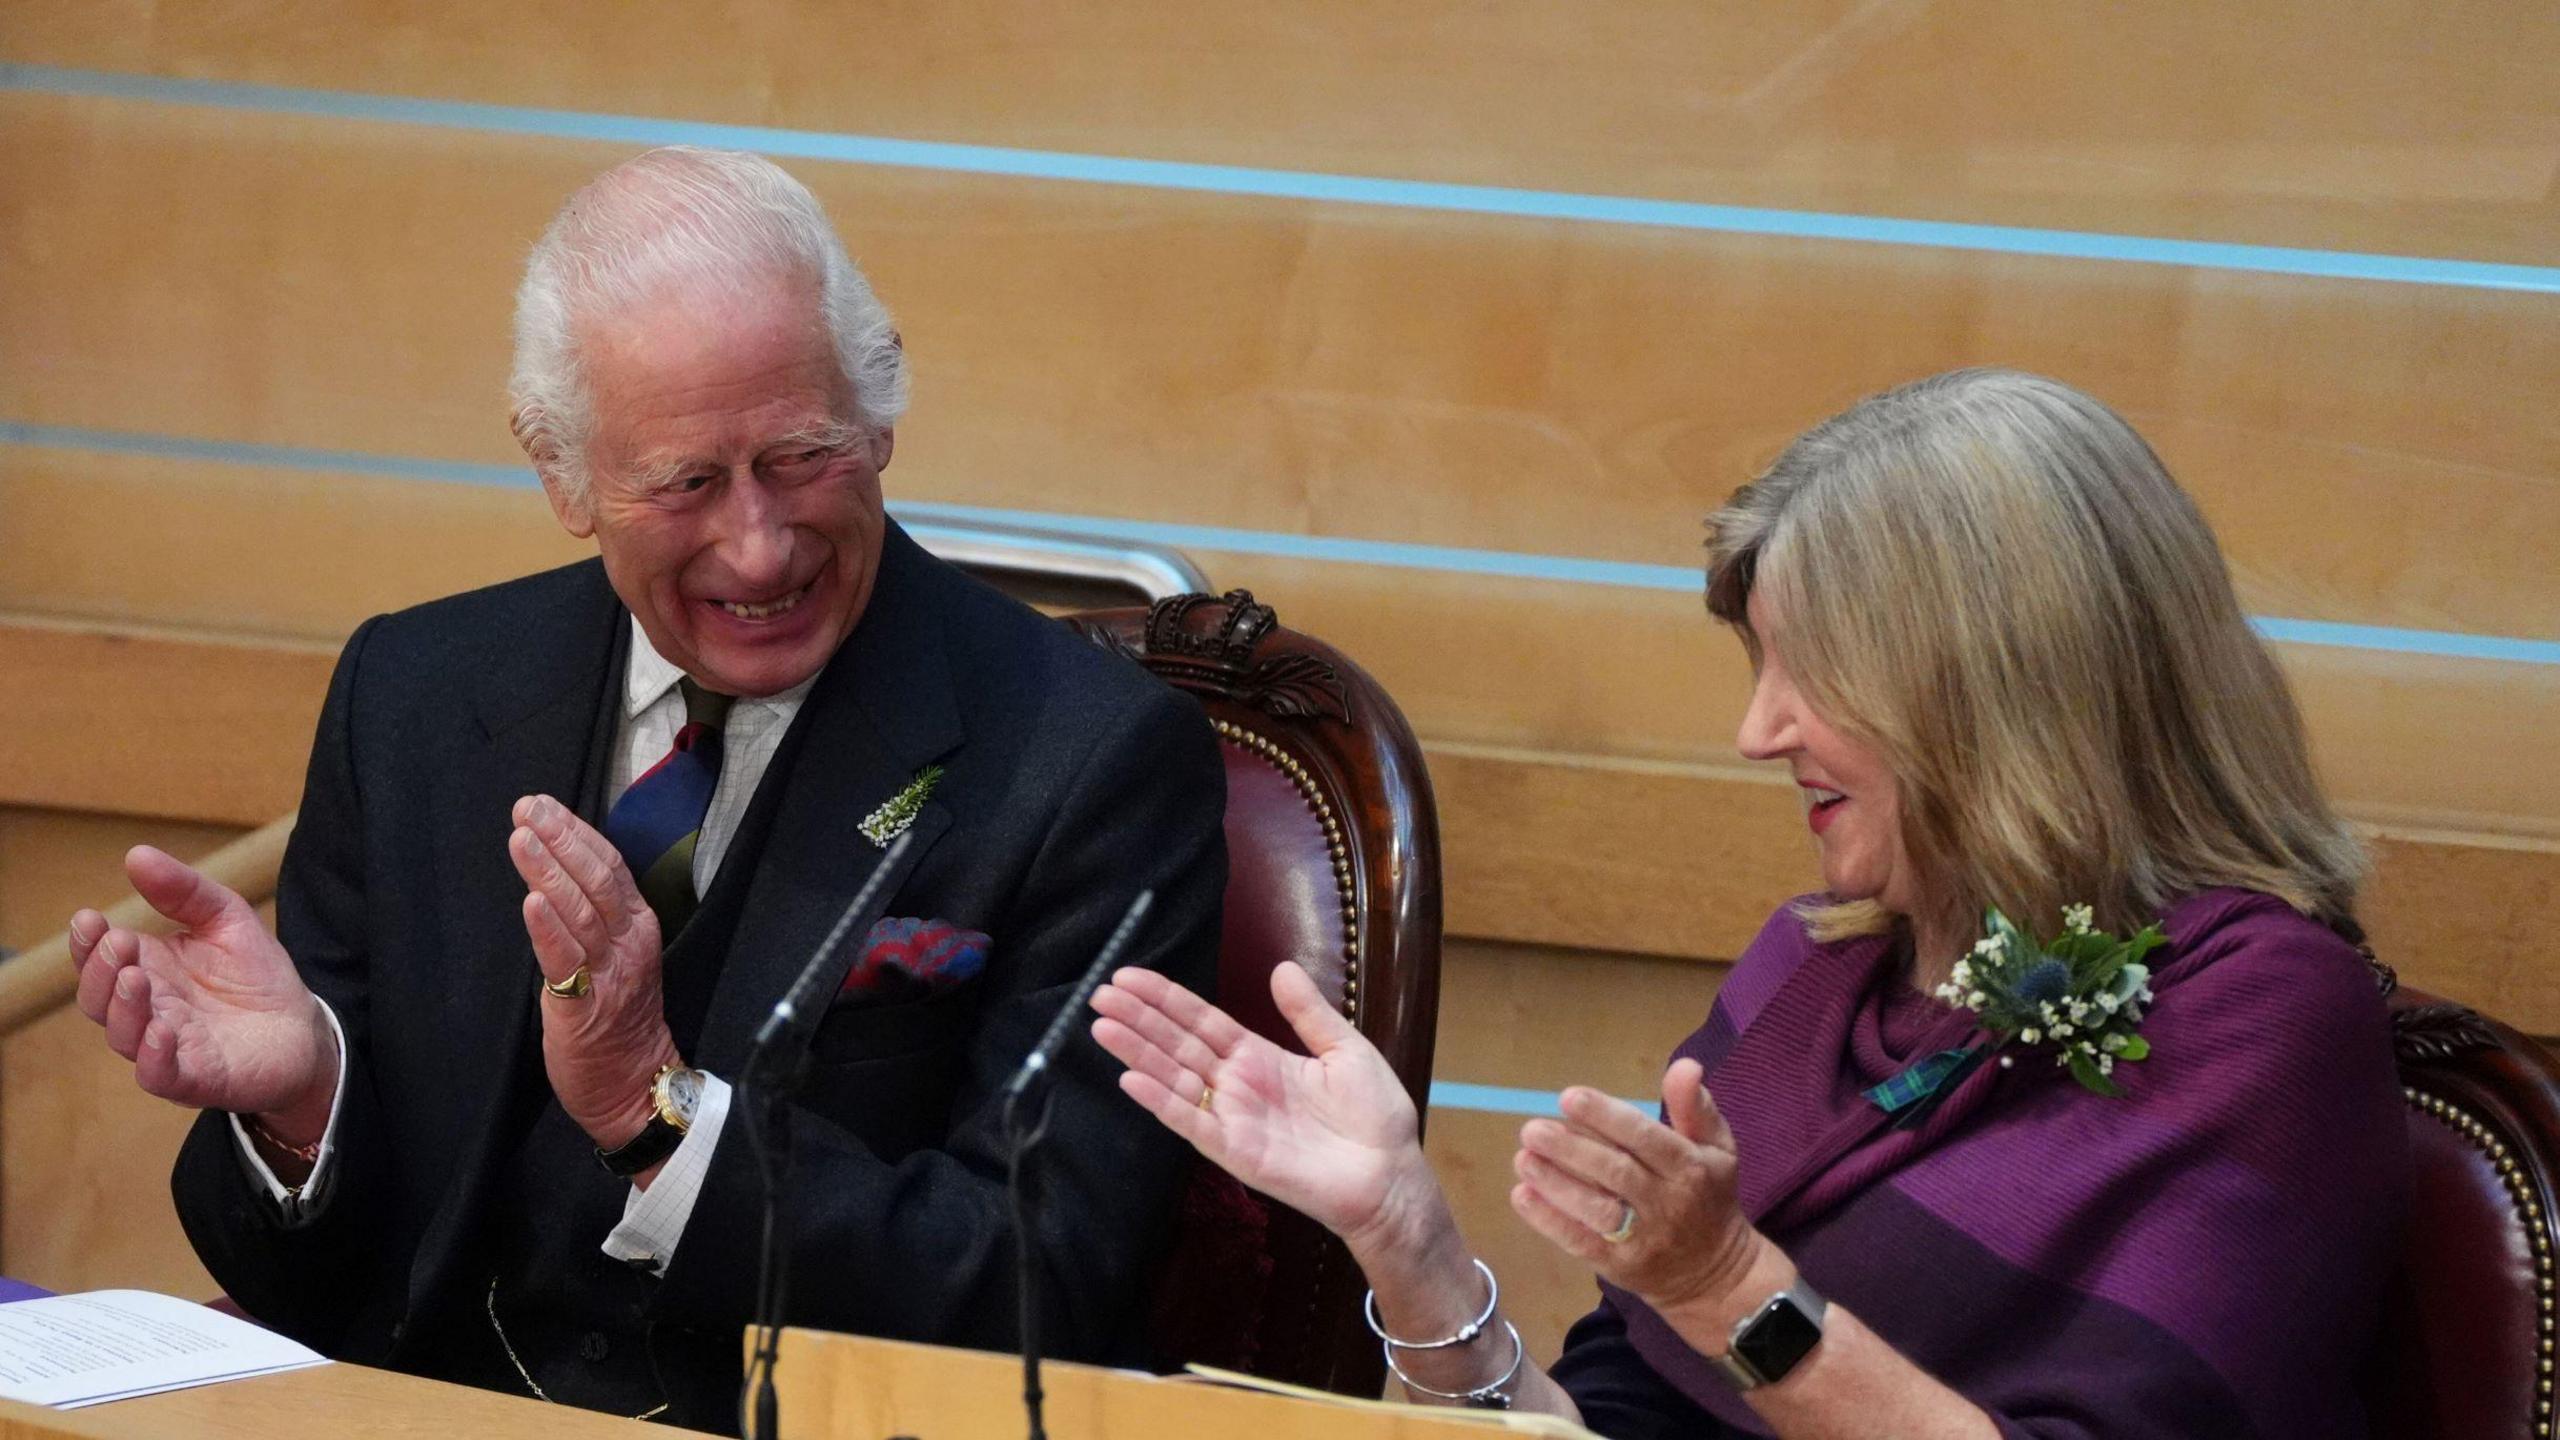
529 1382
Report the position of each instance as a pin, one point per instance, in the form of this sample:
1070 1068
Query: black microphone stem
1026 1259
1026 1120
771 1075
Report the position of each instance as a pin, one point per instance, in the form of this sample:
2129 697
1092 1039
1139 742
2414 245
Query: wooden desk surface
329 1402
832 1386
853 1387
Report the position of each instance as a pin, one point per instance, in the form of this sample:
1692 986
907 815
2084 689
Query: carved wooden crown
1224 634
1210 646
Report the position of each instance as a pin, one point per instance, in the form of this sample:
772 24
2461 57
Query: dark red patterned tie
658 820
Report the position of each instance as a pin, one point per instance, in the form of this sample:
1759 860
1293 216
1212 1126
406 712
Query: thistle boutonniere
2082 993
900 810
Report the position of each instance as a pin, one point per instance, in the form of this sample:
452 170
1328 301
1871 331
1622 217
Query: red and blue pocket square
906 959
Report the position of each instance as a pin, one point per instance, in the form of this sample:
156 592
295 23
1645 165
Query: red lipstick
1822 811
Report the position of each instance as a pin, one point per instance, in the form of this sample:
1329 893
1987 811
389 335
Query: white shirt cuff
300 1203
653 1220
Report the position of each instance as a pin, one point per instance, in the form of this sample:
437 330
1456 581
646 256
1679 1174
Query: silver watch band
1808 1309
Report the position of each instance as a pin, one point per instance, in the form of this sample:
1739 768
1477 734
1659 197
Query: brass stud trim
2502 1157
1298 775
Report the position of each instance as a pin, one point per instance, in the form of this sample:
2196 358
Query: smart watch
1770 1341
676 1094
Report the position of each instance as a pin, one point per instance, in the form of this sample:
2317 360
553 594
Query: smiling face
733 495
1851 801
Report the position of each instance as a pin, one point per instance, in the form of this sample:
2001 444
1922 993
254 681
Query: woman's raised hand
1331 1134
1650 1204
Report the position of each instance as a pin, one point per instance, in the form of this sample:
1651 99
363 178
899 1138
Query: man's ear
882 441
569 504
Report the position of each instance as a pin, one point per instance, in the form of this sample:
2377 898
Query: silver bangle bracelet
1466 1332
1495 1394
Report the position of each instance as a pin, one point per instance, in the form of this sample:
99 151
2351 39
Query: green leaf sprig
899 811
2083 992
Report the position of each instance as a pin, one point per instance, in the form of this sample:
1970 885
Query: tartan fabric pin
900 810
1914 1092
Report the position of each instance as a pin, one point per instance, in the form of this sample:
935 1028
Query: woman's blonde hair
1988 578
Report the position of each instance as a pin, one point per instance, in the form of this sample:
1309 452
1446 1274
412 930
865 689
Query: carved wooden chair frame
1315 717
2499 1092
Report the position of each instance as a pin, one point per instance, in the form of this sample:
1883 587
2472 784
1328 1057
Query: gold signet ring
573 988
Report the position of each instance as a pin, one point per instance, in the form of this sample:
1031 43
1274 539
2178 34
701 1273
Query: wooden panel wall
2404 129
2374 453
1530 386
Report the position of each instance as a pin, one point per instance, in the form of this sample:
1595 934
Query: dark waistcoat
575 1318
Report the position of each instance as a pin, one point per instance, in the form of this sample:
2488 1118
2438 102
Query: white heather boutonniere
900 810
2082 993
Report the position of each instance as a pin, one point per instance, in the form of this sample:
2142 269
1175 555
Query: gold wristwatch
676 1094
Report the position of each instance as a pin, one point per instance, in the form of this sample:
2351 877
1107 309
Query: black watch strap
656 1141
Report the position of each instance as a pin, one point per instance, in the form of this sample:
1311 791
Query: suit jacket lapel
546 704
882 710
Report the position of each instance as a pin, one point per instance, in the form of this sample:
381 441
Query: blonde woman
1914 1177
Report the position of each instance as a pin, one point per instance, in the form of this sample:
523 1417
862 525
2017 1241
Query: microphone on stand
802 997
1063 1024
775 1065
1026 1120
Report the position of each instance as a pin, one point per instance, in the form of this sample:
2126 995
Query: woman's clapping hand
1650 1205
1331 1134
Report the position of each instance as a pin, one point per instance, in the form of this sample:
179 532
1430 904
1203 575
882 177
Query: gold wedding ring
1626 1225
1208 1092
573 988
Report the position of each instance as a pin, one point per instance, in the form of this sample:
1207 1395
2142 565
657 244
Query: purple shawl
2205 1256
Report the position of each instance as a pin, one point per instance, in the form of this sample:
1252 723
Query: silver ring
1626 1224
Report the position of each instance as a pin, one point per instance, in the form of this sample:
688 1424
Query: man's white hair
678 217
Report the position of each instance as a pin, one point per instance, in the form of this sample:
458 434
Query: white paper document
73 1350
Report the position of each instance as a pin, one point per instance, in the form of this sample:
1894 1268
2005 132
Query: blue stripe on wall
279 457
1285 184
1492 1099
1510 564
1505 564
1504 1100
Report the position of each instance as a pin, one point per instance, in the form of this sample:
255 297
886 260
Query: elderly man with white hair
564 842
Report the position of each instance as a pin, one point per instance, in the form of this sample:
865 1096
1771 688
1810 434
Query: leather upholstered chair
2468 1343
1333 860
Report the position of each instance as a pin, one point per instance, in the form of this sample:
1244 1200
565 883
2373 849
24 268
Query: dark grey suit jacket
1072 779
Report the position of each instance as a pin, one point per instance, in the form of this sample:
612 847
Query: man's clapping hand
601 1049
213 1014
